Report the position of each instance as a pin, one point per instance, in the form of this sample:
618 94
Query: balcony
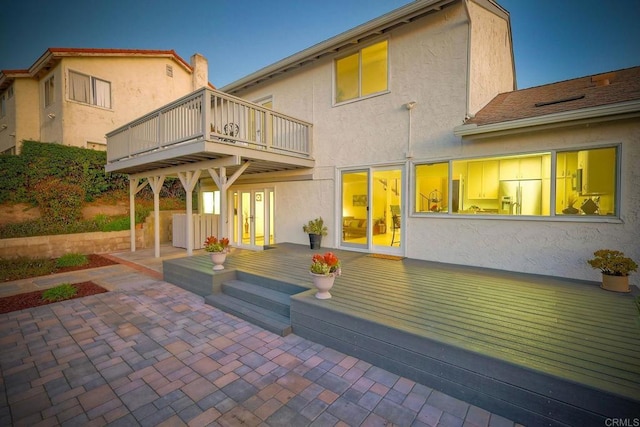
209 125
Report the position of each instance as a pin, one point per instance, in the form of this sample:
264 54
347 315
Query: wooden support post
134 189
156 185
189 179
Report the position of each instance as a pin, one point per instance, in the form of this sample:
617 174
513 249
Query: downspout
467 113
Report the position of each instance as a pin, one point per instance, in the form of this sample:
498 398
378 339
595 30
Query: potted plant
316 229
615 268
218 248
570 209
324 269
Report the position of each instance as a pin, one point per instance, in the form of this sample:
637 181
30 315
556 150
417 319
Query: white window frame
552 216
97 89
49 91
358 51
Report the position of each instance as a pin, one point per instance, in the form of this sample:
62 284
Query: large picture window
89 90
362 73
582 184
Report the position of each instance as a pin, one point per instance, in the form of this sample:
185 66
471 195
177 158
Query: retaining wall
58 245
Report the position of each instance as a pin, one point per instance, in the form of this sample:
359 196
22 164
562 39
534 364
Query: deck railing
215 116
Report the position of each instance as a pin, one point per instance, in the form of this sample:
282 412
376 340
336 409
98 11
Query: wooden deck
538 350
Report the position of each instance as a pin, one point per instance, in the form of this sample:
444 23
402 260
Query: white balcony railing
210 115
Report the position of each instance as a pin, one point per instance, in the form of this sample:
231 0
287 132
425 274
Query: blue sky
553 39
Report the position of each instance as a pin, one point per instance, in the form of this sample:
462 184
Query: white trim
592 114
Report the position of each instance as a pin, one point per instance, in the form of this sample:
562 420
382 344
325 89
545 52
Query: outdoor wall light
51 116
3 127
410 105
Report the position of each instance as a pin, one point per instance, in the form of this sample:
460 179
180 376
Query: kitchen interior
521 184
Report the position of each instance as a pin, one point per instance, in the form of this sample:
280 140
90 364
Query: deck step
255 314
278 302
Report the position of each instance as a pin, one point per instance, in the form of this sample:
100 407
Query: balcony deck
539 350
211 125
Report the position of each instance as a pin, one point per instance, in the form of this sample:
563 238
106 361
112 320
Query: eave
385 23
597 114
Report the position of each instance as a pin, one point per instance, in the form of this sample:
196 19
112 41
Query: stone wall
84 243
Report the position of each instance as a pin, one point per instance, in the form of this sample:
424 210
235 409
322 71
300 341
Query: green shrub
72 260
59 202
19 268
40 227
12 178
60 293
117 224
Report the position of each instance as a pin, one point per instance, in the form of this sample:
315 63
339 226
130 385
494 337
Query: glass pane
355 207
586 182
272 216
246 212
79 89
258 220
347 78
374 68
385 208
432 188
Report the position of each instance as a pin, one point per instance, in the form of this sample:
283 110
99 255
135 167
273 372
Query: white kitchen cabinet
598 169
482 179
521 168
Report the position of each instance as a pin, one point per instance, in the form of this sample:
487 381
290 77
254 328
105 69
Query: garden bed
34 299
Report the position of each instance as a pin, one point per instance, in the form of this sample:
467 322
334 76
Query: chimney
200 76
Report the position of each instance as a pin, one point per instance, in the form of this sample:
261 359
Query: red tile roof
569 95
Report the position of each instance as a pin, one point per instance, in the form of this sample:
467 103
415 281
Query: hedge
44 161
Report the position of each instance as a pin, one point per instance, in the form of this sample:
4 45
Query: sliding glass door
372 209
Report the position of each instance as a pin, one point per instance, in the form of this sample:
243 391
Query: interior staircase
262 301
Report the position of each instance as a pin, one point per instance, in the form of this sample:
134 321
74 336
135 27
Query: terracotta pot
615 283
323 284
218 259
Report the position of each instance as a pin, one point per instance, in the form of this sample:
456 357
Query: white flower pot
323 284
218 259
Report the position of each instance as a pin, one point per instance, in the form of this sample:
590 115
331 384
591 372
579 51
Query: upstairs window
3 105
89 90
362 73
49 97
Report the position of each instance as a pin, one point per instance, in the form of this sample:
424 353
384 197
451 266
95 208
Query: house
75 96
408 136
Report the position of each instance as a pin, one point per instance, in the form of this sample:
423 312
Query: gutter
591 115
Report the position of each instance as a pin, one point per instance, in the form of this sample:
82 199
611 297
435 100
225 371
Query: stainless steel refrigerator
520 197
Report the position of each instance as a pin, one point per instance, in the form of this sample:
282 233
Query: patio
150 353
539 350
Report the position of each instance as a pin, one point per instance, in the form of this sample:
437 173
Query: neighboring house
75 96
413 141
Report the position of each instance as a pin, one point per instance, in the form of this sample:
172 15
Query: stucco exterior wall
491 68
26 122
545 246
134 92
51 129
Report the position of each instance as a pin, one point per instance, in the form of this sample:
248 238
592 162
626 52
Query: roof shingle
569 95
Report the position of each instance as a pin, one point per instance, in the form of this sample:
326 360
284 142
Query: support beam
189 179
156 185
223 183
134 188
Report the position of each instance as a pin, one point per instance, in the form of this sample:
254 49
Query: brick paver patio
149 353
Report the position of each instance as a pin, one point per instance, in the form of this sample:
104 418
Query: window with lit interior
583 184
362 73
